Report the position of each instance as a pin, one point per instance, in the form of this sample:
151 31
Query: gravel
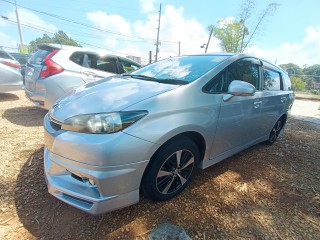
265 192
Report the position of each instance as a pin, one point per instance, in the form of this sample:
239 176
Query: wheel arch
284 117
196 137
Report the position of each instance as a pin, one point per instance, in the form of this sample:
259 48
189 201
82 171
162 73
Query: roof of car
67 47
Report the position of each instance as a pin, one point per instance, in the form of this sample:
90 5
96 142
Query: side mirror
239 88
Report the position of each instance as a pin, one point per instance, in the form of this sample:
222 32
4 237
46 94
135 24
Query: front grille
56 125
77 201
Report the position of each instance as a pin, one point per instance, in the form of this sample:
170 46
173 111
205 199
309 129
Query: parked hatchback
56 69
10 75
150 129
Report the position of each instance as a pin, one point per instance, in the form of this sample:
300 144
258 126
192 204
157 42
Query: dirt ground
265 192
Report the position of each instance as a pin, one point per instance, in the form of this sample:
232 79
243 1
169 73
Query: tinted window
186 69
39 56
102 63
5 55
271 80
127 66
218 84
244 71
107 64
77 58
21 58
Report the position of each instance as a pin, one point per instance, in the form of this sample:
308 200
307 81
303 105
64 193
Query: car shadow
245 189
7 97
25 116
44 216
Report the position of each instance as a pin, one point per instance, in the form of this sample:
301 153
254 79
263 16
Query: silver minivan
149 130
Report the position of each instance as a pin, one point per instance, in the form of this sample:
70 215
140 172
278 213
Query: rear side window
287 82
77 58
271 80
39 56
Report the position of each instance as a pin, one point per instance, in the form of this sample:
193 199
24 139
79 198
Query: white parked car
56 69
10 72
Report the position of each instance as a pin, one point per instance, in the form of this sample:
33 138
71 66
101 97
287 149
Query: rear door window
271 80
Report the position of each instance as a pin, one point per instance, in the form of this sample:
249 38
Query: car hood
107 95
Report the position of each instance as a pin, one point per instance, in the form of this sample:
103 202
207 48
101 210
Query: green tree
292 69
235 36
59 37
229 35
298 84
313 73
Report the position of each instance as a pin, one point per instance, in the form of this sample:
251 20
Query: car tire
273 136
171 169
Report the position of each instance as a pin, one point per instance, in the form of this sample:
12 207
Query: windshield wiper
165 81
144 77
173 81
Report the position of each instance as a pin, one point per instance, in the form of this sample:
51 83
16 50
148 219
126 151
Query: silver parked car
57 69
10 72
150 129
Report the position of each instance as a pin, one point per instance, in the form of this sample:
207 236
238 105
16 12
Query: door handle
283 99
257 104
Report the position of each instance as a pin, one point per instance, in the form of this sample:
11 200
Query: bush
298 84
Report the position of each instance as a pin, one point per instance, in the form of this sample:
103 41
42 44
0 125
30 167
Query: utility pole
157 43
209 40
150 57
179 48
19 26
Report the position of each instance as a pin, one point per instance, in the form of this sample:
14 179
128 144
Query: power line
77 22
88 44
86 25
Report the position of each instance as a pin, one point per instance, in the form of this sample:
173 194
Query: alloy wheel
175 171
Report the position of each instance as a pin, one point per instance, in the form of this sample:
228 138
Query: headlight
102 122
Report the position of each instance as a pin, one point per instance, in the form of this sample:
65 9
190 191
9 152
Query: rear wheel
171 170
273 136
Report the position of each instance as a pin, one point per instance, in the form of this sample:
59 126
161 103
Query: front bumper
96 173
69 182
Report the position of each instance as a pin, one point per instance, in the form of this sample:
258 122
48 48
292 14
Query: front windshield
185 69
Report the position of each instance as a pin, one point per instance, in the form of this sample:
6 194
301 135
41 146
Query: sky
129 27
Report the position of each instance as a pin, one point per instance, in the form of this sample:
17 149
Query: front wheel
171 170
273 136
